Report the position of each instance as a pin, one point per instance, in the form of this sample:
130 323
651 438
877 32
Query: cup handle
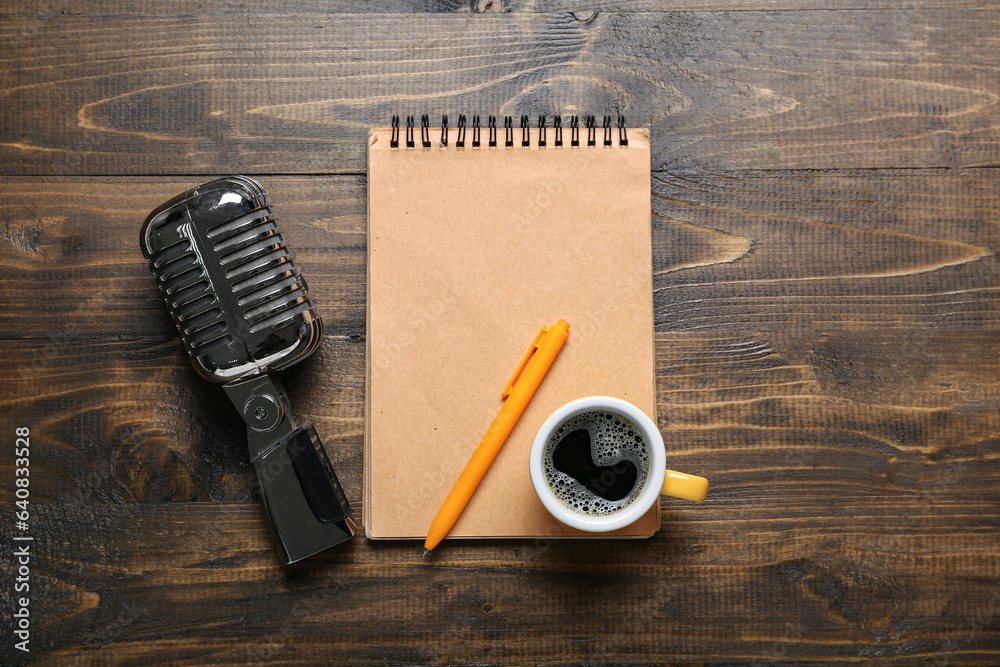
687 487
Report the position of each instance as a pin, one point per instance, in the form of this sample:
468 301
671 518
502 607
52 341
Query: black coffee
596 463
572 455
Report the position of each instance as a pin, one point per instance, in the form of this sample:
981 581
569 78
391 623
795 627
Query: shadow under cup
598 463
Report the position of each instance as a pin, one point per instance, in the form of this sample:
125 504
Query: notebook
471 249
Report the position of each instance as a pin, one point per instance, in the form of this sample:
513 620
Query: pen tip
426 551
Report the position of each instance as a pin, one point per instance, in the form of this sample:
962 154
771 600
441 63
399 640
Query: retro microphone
244 313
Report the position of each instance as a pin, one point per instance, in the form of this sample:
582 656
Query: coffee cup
598 464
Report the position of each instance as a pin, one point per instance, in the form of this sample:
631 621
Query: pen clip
524 362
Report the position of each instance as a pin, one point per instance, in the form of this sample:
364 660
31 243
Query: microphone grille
230 282
190 297
260 270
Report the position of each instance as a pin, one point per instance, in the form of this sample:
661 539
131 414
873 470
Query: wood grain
82 235
879 251
130 94
795 583
60 8
826 354
825 229
137 425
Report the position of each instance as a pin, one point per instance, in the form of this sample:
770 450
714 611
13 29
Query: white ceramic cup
659 480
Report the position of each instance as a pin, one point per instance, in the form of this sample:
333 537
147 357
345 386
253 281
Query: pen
527 376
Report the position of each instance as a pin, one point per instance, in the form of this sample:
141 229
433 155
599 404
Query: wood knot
859 593
490 6
23 235
586 16
488 609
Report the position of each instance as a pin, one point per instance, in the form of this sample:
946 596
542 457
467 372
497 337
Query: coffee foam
613 438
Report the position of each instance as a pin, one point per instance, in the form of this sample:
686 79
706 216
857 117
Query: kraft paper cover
470 252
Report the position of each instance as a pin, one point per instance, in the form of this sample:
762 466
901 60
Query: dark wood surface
825 225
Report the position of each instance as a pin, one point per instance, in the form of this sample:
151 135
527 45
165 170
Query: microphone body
244 313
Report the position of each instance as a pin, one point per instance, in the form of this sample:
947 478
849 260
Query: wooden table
825 231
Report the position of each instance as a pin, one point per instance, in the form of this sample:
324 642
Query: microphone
244 313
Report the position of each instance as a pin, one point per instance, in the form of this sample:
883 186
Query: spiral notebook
478 236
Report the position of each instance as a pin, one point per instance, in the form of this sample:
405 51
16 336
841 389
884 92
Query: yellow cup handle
687 487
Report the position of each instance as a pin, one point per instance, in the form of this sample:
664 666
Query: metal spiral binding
508 125
425 132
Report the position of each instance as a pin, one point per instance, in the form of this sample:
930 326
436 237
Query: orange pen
518 392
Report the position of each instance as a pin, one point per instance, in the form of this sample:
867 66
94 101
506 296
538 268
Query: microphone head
239 302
